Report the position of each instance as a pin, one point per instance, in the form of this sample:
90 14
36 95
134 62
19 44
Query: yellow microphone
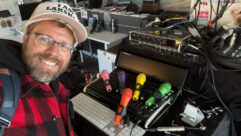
140 80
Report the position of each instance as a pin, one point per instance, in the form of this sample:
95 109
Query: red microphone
105 77
125 99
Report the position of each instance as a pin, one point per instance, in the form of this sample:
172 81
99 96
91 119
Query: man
51 35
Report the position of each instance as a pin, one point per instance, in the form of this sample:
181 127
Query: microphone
162 91
122 79
105 77
175 129
169 129
121 111
140 80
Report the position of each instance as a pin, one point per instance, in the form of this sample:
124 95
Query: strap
140 87
123 111
158 95
11 94
107 82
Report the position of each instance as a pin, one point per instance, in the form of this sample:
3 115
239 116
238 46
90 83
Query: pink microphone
105 77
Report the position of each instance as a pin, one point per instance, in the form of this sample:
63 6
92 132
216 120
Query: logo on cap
62 8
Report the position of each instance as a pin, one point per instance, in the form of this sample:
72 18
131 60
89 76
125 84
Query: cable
209 77
217 94
178 24
212 55
205 102
229 6
211 10
204 79
199 7
219 14
216 14
212 84
175 18
210 66
191 10
199 95
211 80
137 123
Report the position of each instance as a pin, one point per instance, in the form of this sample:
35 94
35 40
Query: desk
109 39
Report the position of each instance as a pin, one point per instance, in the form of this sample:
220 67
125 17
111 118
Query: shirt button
55 118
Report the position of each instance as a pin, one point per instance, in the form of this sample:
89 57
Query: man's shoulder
9 42
9 46
10 55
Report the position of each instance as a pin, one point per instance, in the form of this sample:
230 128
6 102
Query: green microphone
162 91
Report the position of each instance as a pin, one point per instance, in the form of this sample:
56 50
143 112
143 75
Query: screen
26 10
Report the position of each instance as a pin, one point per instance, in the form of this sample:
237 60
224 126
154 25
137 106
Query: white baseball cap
60 12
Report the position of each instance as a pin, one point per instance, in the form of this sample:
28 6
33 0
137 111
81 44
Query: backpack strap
11 93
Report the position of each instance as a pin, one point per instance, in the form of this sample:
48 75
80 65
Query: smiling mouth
48 62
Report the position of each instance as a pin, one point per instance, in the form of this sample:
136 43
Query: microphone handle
177 128
169 129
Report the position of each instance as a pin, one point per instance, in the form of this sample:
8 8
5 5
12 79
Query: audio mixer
170 39
175 43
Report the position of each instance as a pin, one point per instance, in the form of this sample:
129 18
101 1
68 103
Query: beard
43 75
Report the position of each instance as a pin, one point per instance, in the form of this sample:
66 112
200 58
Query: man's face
46 63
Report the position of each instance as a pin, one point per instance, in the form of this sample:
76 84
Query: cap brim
77 28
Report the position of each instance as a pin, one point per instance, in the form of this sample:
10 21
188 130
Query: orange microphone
125 99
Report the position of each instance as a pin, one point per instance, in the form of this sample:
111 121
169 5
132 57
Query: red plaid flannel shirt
39 112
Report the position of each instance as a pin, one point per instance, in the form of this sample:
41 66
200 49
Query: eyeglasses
46 41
